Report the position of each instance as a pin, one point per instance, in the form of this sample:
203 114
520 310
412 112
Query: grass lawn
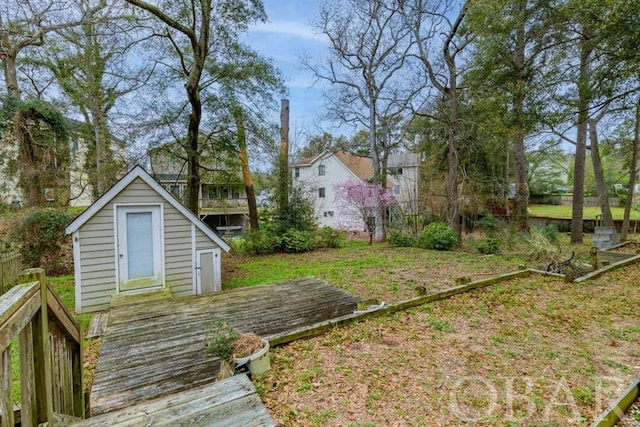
557 211
533 351
370 271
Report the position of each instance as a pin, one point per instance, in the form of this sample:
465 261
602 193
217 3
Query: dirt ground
528 352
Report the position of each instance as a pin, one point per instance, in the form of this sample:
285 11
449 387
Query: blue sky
287 36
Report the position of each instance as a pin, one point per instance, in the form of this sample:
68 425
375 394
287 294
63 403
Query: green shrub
551 233
43 242
400 240
260 242
328 237
294 241
438 236
489 224
297 214
489 246
220 339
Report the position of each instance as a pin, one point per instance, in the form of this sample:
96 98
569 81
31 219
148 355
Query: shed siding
98 252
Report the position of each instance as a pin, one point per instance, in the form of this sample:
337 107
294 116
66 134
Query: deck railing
49 344
10 268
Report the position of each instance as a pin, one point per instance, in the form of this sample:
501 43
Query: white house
138 237
317 176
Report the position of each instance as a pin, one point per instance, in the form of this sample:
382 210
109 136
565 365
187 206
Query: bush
259 242
328 237
551 233
438 236
540 248
489 246
489 224
294 241
297 214
220 339
399 240
43 242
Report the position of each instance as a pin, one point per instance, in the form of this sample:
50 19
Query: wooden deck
153 348
230 402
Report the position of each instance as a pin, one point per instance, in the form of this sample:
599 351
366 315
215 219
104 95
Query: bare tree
367 70
434 26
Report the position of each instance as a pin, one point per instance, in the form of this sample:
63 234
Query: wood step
229 402
139 297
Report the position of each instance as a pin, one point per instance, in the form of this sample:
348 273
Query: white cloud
293 29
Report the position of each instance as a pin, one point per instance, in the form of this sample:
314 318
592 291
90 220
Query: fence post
41 348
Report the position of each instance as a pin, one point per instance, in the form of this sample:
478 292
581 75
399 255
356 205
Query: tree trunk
193 156
519 157
283 160
11 75
601 187
30 174
193 135
375 159
246 171
633 171
581 143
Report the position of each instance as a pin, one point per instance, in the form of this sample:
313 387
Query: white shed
137 237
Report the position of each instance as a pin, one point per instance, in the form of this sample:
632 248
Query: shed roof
138 172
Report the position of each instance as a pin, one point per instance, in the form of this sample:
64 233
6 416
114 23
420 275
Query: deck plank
153 348
230 402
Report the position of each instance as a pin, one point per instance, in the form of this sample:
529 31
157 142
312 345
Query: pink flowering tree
357 203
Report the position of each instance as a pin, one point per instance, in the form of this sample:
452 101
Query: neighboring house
317 176
72 185
81 192
138 237
223 199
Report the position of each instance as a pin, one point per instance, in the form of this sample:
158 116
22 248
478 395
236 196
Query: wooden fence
10 268
49 344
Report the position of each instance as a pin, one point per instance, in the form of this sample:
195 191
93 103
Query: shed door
208 271
139 247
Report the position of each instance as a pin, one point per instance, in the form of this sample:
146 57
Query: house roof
403 160
139 172
362 167
307 161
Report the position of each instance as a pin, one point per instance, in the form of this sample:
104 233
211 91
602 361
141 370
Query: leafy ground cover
534 351
370 271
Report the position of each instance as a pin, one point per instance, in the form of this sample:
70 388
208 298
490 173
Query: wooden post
27 378
41 350
6 399
77 363
283 161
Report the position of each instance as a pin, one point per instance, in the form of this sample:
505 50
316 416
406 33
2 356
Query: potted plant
236 349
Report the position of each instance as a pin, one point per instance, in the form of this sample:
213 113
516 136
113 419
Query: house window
396 189
321 192
322 170
224 192
235 192
328 213
296 172
175 190
395 171
209 192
